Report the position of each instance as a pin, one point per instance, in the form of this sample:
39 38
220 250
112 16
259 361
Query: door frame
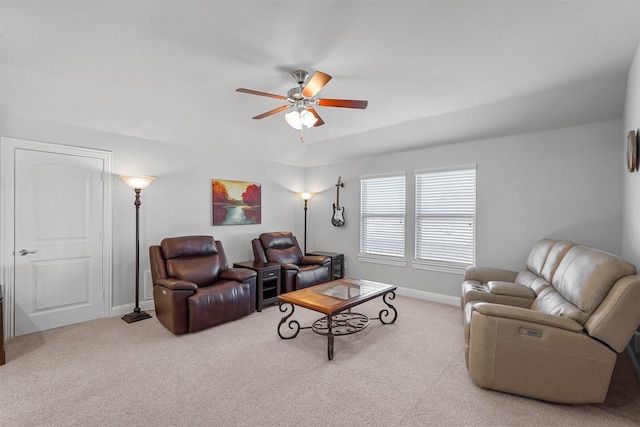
8 147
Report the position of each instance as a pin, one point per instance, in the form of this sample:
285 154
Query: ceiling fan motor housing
300 76
294 94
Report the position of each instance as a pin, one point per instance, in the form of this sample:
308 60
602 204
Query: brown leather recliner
298 270
193 288
553 331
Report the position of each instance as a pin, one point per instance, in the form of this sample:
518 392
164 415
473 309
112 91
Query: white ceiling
434 72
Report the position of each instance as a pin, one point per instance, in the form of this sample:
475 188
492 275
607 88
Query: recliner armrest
291 267
237 274
487 274
315 260
525 314
177 284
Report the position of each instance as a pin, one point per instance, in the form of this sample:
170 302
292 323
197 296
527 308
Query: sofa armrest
527 315
237 274
510 289
487 274
176 284
315 260
618 317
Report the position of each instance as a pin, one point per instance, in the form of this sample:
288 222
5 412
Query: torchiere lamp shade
137 182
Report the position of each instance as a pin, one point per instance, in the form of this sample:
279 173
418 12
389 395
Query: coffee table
335 300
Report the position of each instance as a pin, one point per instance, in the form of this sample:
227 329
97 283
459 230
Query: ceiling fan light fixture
293 118
296 119
307 118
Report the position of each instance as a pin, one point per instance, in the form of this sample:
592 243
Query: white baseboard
121 310
429 296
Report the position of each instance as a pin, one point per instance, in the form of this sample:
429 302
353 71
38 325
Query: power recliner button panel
531 332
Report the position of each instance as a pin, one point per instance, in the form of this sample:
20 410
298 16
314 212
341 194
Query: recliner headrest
277 240
188 246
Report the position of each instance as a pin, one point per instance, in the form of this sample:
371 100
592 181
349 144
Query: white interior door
59 228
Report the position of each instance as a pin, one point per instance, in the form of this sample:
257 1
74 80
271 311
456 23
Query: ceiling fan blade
343 103
255 92
272 112
317 82
320 122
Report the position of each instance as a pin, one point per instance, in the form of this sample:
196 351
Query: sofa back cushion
542 263
193 258
538 256
581 282
554 257
281 247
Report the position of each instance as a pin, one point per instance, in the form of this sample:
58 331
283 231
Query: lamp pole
305 226
137 183
305 196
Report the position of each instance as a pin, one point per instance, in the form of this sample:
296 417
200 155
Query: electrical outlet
148 285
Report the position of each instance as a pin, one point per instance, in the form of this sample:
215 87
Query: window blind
382 216
446 217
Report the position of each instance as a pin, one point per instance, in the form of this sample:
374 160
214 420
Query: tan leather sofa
552 331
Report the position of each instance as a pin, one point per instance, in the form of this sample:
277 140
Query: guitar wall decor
337 219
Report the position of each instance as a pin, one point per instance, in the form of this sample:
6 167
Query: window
446 219
382 219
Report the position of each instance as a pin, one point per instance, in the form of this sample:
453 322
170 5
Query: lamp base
136 317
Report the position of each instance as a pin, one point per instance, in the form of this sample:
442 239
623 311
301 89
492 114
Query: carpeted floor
412 373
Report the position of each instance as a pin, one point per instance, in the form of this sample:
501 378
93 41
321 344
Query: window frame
448 266
395 260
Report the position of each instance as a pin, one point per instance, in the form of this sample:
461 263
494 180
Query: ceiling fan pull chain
301 135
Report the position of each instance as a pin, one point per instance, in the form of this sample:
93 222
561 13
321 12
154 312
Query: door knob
24 252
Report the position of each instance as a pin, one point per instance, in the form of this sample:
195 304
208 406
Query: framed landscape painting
236 202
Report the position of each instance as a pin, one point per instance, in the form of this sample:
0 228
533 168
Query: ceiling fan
303 98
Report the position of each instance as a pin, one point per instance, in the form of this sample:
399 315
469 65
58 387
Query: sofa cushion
538 256
585 276
550 301
536 283
555 256
525 277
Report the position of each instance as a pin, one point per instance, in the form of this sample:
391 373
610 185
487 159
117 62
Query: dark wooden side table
337 263
267 282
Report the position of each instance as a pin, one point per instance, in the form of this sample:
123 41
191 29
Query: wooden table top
336 296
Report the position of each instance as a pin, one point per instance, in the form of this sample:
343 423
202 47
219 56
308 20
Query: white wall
631 181
563 184
178 202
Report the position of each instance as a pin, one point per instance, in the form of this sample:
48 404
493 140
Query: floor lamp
305 196
137 183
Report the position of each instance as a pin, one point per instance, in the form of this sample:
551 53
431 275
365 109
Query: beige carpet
411 373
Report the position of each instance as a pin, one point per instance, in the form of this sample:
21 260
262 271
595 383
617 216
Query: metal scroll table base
344 323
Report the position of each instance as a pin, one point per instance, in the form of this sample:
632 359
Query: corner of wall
631 181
